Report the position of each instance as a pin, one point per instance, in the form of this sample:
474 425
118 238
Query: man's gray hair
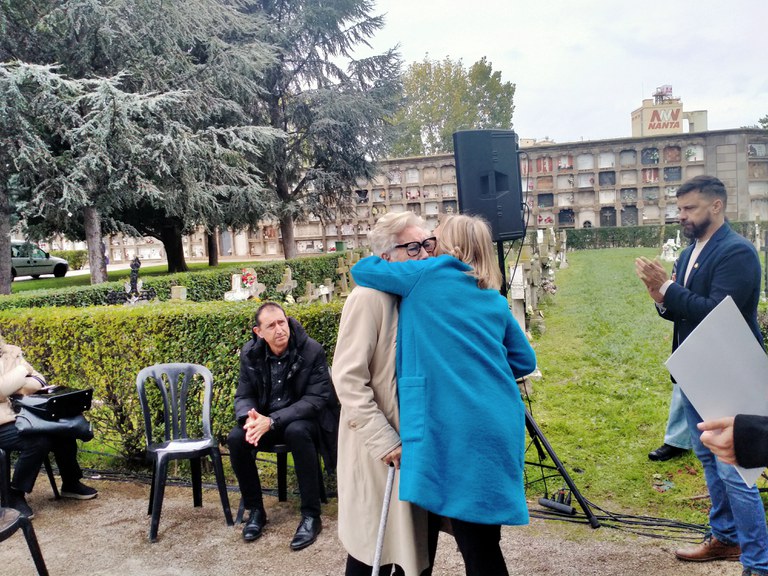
383 236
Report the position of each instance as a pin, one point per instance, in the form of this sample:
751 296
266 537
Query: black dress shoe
17 501
307 532
255 525
666 452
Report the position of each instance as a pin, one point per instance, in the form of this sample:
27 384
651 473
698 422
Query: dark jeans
301 437
479 545
32 451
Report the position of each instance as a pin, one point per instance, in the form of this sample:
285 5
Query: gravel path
108 536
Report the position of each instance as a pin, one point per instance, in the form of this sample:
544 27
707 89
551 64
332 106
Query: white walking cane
383 521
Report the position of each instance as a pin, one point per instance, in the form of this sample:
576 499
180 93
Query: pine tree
135 165
332 108
33 101
278 117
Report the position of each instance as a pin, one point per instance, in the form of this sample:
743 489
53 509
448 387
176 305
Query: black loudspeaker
488 179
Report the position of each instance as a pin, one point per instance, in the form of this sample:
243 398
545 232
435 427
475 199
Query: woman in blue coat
459 352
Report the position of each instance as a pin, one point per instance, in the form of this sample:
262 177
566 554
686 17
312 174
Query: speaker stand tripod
545 449
540 441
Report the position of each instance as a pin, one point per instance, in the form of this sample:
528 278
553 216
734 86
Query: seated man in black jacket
282 395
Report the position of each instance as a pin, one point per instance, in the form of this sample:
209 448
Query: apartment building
633 181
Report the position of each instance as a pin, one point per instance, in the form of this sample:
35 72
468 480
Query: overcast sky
582 66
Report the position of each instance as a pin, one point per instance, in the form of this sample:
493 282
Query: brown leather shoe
710 549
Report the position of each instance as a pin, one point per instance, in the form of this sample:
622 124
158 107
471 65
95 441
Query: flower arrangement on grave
248 278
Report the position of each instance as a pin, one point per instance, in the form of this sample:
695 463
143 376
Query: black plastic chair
11 521
173 381
5 455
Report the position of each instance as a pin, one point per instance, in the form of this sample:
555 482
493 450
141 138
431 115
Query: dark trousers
33 450
301 437
479 545
357 568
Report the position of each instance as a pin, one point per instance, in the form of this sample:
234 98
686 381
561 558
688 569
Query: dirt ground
108 536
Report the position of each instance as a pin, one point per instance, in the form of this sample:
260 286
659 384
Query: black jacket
307 382
750 440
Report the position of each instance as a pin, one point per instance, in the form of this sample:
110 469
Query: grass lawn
604 395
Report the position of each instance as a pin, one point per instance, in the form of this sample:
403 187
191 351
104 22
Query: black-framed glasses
413 248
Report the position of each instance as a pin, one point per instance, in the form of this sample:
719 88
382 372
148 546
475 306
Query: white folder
723 370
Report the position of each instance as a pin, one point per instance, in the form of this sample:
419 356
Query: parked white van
30 260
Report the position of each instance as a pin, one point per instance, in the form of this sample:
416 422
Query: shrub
75 258
638 236
762 319
201 286
105 347
77 296
621 237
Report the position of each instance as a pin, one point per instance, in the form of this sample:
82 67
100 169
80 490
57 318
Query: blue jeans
677 433
737 514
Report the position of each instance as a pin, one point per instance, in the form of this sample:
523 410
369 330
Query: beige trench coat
364 377
13 379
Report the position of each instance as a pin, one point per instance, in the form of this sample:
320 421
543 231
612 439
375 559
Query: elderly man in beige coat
369 441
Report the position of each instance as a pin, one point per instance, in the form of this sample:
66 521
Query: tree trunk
212 239
170 236
289 244
324 234
5 243
286 198
96 260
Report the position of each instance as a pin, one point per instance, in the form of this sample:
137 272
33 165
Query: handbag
29 423
54 402
55 410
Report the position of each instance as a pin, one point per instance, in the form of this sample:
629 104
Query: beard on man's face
692 230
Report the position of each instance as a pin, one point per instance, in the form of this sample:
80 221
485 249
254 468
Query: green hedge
762 319
105 347
75 258
635 236
201 286
620 237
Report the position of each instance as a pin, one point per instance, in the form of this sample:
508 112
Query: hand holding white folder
723 370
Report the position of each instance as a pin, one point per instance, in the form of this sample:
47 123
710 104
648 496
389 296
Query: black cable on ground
649 526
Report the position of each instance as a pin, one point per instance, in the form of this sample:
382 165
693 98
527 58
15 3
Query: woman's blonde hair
468 238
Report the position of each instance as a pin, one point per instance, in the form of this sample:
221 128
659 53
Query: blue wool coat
462 421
